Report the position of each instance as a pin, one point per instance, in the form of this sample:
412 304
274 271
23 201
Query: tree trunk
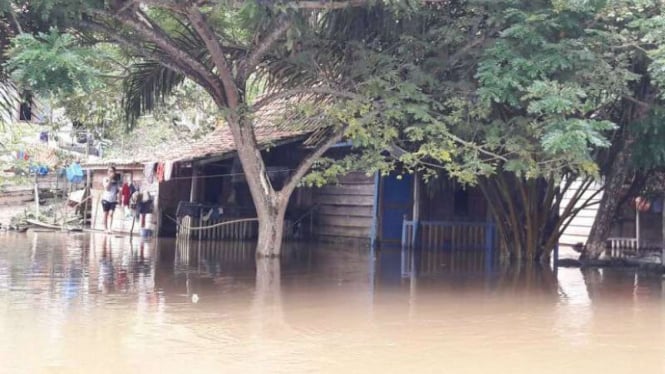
609 204
270 205
271 230
526 214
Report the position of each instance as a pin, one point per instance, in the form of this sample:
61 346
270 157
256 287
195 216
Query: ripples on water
88 303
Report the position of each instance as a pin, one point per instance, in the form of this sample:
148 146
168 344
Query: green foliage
469 87
479 87
52 61
648 150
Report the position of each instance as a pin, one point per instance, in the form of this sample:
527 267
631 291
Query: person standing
110 194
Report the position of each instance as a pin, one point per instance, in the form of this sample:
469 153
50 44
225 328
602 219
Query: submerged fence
448 235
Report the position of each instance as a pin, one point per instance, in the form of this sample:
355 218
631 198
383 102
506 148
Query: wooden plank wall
580 227
170 194
345 210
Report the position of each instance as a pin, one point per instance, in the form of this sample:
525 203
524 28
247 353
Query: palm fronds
150 81
146 86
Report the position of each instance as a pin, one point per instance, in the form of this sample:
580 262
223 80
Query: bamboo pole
36 197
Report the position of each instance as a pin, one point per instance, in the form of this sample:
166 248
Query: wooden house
205 174
24 107
388 210
632 228
360 208
200 175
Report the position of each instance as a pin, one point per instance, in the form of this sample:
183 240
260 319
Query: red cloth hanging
125 194
160 172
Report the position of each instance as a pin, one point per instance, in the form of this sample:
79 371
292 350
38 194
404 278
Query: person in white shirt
110 195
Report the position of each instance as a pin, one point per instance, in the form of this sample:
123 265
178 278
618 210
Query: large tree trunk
270 204
609 204
271 229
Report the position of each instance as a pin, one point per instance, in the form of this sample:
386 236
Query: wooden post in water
36 197
662 228
88 184
416 210
193 193
87 191
637 229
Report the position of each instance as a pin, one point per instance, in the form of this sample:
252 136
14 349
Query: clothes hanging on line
125 193
168 170
149 172
74 173
159 173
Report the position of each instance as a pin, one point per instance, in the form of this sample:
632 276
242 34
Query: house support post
416 209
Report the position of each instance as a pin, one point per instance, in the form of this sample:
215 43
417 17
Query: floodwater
86 303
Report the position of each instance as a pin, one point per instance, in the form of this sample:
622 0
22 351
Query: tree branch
186 63
326 4
636 101
476 147
122 40
217 53
165 61
264 46
332 5
307 162
270 98
17 24
163 4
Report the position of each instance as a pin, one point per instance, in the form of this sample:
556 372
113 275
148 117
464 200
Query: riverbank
17 203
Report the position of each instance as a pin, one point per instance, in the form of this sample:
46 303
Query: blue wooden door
396 202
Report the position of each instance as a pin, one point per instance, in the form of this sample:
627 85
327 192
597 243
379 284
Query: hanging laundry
75 173
39 170
159 174
125 192
168 170
149 172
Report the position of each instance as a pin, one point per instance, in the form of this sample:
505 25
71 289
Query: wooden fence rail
235 229
445 234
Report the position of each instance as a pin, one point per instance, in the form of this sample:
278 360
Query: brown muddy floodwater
85 303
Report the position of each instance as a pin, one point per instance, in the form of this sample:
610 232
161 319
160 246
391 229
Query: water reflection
171 306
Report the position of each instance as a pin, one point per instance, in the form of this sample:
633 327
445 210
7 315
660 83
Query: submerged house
198 183
638 223
360 208
389 209
195 178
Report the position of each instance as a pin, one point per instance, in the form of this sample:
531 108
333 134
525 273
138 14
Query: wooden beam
366 201
357 189
345 221
351 211
193 192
